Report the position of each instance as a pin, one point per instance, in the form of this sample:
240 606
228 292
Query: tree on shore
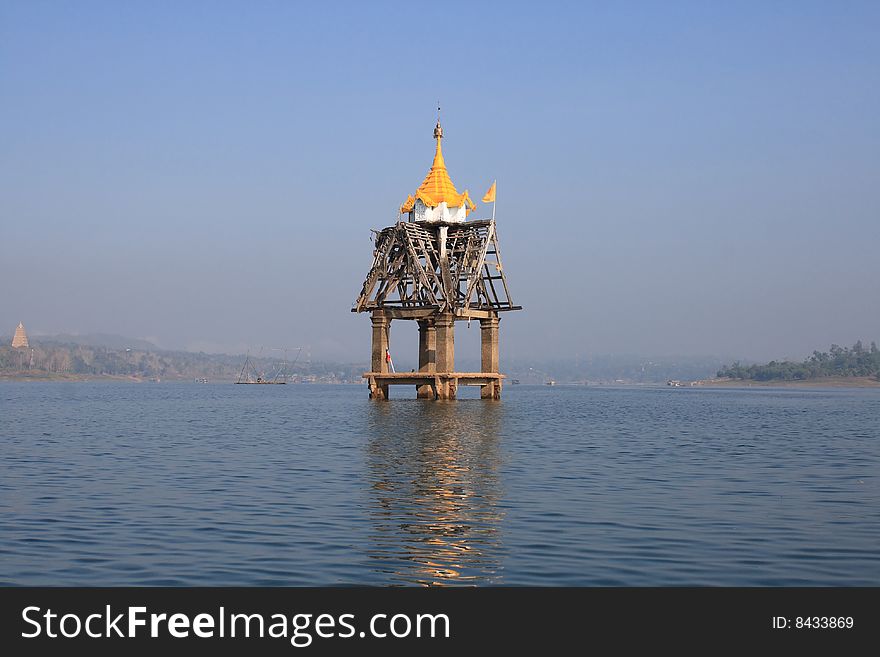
837 361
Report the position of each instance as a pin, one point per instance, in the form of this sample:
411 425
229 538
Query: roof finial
438 129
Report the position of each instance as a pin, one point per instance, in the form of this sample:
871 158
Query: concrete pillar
489 344
427 356
489 356
445 349
381 324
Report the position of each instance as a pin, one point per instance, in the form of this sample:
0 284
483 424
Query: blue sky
673 178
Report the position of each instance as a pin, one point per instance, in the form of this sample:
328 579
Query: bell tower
436 266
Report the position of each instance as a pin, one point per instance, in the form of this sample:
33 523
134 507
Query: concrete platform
435 385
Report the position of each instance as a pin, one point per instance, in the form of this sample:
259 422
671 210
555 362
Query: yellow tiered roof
437 186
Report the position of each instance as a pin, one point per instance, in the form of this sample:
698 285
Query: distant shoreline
44 377
72 378
820 382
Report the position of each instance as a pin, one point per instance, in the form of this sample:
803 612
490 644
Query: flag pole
494 200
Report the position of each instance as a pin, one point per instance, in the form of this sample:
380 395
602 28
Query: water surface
186 484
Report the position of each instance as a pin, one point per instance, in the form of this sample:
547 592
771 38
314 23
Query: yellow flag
490 195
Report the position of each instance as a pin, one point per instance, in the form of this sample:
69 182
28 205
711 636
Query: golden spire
438 154
439 165
438 135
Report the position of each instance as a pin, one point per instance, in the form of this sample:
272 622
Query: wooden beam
410 313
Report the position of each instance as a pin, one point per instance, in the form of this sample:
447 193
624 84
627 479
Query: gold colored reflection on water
435 491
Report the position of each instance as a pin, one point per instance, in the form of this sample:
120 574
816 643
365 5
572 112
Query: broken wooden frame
436 273
441 266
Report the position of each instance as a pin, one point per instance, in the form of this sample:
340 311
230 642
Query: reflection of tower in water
435 490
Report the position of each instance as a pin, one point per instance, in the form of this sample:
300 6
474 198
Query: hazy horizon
403 356
672 179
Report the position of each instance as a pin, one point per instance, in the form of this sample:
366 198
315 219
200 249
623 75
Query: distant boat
550 382
514 382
